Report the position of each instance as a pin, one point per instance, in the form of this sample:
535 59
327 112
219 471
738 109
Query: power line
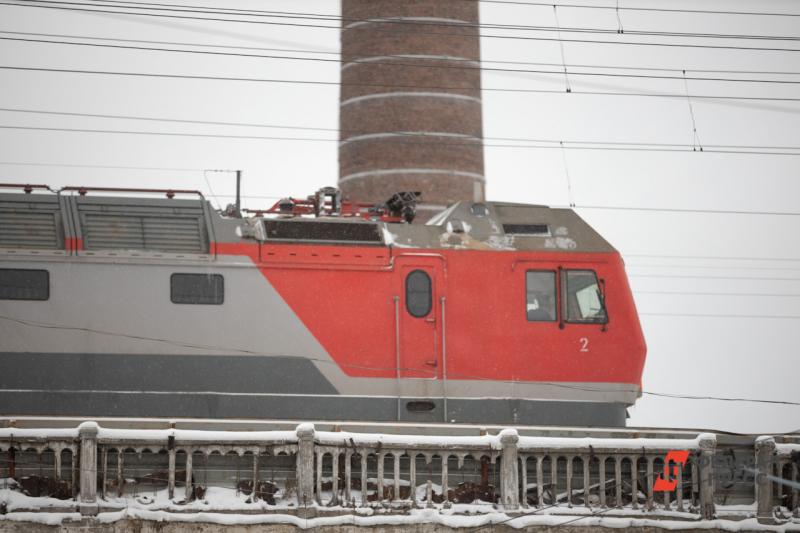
395 22
401 56
689 211
725 294
714 267
263 197
717 257
338 84
396 64
650 9
406 135
113 167
710 315
541 4
390 141
337 28
689 276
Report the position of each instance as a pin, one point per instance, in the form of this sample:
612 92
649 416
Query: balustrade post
509 471
57 462
254 497
305 464
708 445
88 496
765 452
171 467
348 475
188 489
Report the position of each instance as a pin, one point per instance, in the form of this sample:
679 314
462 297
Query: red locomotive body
489 313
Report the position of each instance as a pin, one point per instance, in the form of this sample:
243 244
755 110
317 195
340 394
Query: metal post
305 463
765 451
238 193
509 472
444 359
708 444
88 497
397 351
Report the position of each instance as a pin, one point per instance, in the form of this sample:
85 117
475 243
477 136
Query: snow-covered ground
225 506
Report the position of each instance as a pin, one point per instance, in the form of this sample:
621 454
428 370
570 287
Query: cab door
419 318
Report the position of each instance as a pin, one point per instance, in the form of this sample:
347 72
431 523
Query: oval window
418 293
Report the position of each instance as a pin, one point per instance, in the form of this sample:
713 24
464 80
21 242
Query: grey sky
717 356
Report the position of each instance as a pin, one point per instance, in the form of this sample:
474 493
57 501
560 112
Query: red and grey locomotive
122 305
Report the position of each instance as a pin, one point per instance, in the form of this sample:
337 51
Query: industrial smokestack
410 108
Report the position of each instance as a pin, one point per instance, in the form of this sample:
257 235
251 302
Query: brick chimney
406 126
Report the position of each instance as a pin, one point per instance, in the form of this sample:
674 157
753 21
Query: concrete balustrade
342 470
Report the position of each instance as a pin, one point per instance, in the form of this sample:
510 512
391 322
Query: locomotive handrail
26 187
170 193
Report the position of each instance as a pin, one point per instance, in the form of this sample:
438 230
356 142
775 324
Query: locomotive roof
47 221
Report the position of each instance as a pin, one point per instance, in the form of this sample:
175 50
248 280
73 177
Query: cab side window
540 295
584 301
419 297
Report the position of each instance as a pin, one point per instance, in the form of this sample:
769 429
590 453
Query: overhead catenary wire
649 9
389 141
186 344
353 23
564 72
402 134
722 294
337 28
575 6
710 97
484 60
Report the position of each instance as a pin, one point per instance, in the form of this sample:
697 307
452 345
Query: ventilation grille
161 229
337 232
30 225
536 230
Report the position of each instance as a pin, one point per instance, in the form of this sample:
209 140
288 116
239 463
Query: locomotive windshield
583 297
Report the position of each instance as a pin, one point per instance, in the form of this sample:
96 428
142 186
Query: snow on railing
345 470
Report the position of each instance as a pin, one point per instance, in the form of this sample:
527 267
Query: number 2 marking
584 344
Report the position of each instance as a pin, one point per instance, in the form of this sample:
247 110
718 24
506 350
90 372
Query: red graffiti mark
663 482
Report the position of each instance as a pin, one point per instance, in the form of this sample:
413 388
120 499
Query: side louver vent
535 230
173 229
30 224
334 232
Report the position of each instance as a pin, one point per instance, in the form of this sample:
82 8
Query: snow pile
452 518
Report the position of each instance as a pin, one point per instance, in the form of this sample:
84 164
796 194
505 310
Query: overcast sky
674 259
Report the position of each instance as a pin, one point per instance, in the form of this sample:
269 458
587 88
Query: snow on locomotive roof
189 226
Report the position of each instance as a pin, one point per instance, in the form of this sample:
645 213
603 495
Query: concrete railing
613 472
340 469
